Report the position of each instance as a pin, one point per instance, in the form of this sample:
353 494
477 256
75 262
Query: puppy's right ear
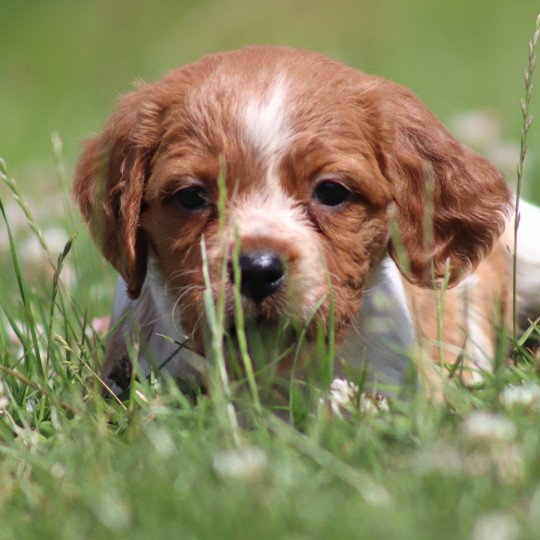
110 181
463 196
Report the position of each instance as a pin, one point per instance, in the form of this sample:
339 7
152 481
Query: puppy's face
317 159
306 199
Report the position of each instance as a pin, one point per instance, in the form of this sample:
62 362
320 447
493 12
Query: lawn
73 465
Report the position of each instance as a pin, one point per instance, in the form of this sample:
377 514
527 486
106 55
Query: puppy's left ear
441 184
110 180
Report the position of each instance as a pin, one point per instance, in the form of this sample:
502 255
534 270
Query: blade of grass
526 124
56 280
362 483
221 391
240 323
41 389
23 290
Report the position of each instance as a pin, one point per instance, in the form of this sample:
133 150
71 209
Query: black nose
262 274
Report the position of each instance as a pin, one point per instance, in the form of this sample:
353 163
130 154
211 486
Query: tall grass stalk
240 324
55 291
215 314
526 124
24 294
362 483
298 350
221 389
330 353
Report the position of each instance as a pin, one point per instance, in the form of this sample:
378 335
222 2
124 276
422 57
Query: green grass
73 465
64 63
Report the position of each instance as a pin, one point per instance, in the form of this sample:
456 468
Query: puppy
349 200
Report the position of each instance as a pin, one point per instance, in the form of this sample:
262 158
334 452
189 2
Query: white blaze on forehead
265 119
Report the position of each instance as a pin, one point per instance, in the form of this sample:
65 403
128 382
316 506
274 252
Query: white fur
528 260
383 336
152 313
265 120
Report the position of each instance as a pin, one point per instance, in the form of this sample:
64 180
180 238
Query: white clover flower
523 395
496 526
487 427
241 464
342 396
373 403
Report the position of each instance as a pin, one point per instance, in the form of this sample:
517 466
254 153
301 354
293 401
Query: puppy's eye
193 198
331 193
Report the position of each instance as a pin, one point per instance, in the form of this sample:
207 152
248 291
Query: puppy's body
320 162
381 338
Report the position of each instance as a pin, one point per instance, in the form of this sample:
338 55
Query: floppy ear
109 185
439 184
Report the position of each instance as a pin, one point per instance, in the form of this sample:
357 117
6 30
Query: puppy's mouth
267 342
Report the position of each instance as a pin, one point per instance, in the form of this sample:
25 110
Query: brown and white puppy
320 160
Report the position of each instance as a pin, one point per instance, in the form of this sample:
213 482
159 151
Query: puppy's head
319 159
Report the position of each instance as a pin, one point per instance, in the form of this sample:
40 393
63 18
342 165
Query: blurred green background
63 63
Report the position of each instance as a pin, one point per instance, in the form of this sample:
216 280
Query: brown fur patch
372 136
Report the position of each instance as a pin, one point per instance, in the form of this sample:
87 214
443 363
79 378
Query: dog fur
419 207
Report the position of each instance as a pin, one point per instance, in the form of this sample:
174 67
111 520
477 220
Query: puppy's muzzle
262 274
